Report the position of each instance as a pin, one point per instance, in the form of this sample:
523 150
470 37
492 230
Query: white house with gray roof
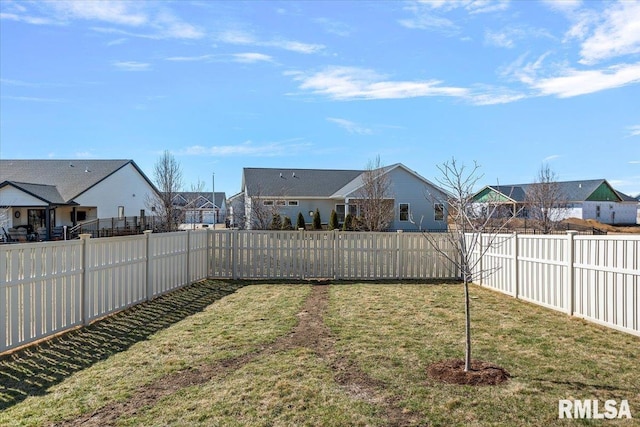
417 201
50 193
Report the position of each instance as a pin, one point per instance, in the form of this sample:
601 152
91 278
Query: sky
510 85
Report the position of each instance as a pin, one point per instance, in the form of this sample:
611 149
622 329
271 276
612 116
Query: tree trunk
467 313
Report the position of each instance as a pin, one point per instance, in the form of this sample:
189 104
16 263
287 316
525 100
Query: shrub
286 223
348 223
276 222
333 220
300 223
317 223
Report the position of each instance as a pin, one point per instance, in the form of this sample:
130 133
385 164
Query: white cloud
349 83
190 58
617 34
350 126
153 20
33 99
499 39
251 57
428 14
634 130
245 38
335 27
132 66
115 12
573 82
248 148
551 157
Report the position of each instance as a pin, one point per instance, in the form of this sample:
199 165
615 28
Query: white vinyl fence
50 287
596 278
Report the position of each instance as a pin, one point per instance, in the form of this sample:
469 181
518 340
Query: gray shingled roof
270 182
47 193
572 191
69 177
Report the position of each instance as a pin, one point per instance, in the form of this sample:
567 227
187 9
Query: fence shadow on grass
32 370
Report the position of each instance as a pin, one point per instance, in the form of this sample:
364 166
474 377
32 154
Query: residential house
198 207
418 203
43 194
589 199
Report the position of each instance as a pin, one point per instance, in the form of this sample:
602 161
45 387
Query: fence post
188 257
86 302
148 288
235 234
571 280
399 257
335 254
516 272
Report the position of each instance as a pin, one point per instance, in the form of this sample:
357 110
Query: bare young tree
464 243
545 201
374 199
167 174
263 209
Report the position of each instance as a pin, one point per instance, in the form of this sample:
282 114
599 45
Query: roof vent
87 170
71 165
293 175
281 175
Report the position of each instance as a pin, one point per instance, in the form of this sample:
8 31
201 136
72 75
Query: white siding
126 187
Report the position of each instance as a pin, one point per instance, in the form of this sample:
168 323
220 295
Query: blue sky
226 85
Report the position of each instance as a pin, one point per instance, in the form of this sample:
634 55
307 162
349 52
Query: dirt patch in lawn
481 373
310 332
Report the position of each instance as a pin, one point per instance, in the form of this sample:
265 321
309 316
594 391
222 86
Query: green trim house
588 199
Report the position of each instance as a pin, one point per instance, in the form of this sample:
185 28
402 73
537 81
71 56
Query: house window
292 203
438 210
280 203
404 211
340 211
120 212
267 202
597 211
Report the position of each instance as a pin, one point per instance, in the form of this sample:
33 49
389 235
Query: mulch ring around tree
482 373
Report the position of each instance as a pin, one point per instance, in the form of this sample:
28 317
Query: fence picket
49 287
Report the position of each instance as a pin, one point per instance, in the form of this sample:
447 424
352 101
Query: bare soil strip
310 332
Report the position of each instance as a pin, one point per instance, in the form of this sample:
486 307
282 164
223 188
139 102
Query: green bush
317 223
333 220
286 223
300 223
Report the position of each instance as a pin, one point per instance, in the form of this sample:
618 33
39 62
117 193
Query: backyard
233 353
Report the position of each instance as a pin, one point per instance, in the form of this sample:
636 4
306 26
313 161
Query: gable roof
201 198
318 183
69 178
572 191
46 193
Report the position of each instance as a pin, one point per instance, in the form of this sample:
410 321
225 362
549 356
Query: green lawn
216 353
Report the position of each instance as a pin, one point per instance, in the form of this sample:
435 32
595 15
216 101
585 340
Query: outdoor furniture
18 234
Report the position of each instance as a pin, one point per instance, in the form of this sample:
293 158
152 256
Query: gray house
418 204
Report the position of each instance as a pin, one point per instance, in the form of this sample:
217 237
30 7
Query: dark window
404 211
438 209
